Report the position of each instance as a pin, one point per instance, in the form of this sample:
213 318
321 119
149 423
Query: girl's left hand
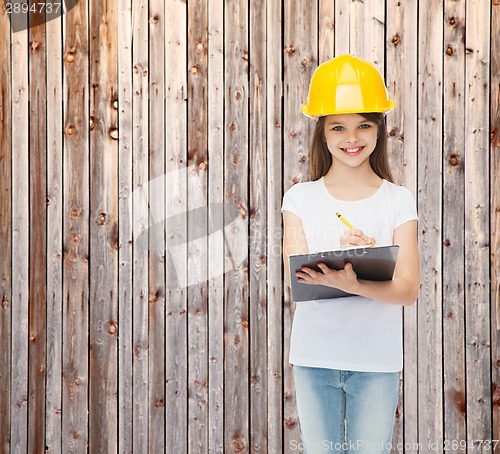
345 280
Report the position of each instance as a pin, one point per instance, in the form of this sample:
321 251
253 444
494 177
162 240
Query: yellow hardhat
346 84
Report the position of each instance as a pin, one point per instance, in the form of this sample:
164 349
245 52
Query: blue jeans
345 411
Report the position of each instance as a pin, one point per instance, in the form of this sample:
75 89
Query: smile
352 151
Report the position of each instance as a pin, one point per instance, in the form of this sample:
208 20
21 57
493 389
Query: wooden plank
215 244
342 23
326 30
408 135
430 410
258 225
156 234
198 225
20 242
5 229
125 233
477 250
453 239
76 233
274 90
300 61
176 195
53 436
38 238
395 81
236 317
495 217
140 147
103 328
367 31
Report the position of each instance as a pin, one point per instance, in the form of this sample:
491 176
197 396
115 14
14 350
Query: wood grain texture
236 287
5 228
76 231
157 205
216 262
140 177
300 60
103 314
38 238
198 225
430 372
53 385
258 221
176 368
495 217
477 240
453 226
20 243
125 231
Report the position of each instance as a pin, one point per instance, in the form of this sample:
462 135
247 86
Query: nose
352 137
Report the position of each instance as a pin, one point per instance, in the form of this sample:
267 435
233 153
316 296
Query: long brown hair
320 158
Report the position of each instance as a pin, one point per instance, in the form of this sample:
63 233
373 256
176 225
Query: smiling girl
347 352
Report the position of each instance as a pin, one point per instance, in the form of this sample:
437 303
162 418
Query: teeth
352 150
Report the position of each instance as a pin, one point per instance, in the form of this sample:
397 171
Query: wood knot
244 323
232 127
75 237
112 327
238 95
290 50
92 123
395 39
239 443
70 57
244 55
292 133
154 19
153 298
453 160
115 104
449 50
290 423
70 130
194 70
200 46
35 45
5 305
102 219
447 243
392 132
159 403
236 159
113 133
452 21
75 213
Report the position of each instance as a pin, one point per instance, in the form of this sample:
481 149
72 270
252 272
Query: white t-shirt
352 333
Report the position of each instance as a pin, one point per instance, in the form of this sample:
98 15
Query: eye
365 126
337 128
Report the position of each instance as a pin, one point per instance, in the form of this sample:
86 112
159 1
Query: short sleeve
289 203
406 208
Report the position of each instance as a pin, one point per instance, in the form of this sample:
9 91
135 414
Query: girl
347 352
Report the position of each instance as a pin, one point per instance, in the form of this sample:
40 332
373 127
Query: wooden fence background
108 344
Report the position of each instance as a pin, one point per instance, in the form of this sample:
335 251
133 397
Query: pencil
344 220
348 224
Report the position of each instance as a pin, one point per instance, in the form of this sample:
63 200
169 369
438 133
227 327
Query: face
351 138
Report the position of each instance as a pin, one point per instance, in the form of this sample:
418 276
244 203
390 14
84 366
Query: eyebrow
339 123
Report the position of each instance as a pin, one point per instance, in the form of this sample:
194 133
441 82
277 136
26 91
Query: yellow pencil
344 220
348 224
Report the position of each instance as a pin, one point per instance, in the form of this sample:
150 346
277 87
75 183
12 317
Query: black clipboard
369 263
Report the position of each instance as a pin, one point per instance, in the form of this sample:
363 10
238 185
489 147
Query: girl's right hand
354 238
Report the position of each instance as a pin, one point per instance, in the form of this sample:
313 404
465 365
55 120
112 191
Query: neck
347 176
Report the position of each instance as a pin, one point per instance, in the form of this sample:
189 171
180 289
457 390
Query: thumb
348 267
